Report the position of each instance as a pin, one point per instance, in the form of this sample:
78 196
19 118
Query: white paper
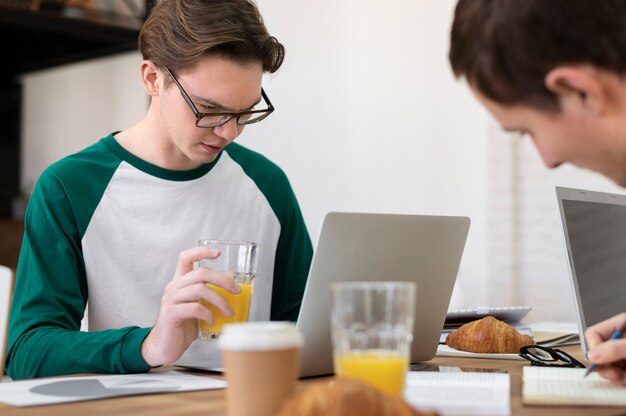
445 351
72 389
569 386
459 393
549 326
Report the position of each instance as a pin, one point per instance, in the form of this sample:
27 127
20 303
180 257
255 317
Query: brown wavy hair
178 33
505 48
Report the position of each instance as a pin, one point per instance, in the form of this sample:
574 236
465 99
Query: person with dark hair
111 232
556 71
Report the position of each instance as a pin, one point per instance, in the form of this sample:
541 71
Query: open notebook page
459 392
567 386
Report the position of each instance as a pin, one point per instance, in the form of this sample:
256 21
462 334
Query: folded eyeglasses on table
548 357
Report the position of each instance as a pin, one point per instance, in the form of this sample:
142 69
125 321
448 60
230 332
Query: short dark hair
178 33
505 48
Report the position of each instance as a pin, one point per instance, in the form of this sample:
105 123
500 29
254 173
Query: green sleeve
291 268
294 250
51 292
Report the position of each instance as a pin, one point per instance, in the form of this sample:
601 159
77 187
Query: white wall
542 265
68 108
369 117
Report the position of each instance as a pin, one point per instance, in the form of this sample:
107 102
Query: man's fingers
608 352
204 275
191 310
602 331
200 292
187 258
593 337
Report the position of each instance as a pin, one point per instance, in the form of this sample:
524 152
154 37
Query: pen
616 335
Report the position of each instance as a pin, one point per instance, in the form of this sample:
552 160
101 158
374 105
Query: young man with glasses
554 70
117 223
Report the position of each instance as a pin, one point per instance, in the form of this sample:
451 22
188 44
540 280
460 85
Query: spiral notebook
568 386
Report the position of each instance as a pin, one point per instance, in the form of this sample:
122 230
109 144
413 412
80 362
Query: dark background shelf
11 232
48 37
40 37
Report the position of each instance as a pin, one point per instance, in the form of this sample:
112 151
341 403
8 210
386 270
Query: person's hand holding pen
607 348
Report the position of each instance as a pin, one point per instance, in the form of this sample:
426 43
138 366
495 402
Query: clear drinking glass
372 331
240 258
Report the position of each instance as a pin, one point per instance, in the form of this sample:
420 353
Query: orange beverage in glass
382 369
372 330
239 258
239 302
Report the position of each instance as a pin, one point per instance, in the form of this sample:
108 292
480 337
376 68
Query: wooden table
212 402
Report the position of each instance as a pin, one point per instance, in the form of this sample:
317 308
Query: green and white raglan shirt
105 226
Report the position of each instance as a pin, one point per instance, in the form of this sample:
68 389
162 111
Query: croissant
345 397
488 335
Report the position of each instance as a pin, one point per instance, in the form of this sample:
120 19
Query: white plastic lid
260 336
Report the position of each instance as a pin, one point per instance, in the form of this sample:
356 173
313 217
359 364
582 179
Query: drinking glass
372 331
241 259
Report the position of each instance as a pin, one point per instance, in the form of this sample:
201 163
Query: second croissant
488 335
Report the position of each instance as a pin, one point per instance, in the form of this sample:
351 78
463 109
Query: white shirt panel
142 223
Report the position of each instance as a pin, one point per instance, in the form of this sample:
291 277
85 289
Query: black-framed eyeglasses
210 120
548 357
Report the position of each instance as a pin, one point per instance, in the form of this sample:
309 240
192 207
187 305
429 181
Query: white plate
445 351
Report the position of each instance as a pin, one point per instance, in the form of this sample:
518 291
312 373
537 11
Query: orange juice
240 303
385 370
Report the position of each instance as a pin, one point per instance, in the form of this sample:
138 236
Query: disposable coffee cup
262 361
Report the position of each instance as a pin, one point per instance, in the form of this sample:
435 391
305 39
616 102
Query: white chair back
6 291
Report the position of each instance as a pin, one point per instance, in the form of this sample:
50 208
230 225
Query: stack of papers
73 389
555 334
509 314
445 351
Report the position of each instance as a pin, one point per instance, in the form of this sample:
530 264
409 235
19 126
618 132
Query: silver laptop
372 247
594 230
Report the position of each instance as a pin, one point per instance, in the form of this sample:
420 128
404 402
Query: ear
151 77
578 88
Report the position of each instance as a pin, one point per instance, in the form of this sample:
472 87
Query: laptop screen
594 225
597 237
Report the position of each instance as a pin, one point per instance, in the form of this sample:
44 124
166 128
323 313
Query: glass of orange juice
239 258
372 331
